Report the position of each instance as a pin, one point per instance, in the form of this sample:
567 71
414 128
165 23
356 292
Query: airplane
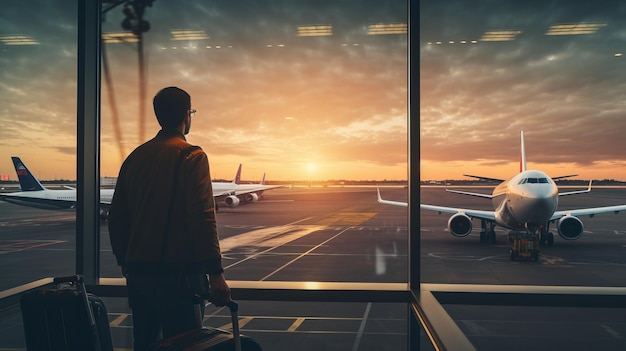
34 194
526 202
234 192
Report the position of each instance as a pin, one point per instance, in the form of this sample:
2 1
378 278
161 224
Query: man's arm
119 223
200 214
220 292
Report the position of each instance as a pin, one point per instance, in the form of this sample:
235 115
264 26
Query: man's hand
220 292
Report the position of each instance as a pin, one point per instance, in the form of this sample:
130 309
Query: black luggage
66 318
211 339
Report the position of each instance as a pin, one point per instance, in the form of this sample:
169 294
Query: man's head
171 107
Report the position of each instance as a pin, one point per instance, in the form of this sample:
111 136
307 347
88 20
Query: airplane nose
540 208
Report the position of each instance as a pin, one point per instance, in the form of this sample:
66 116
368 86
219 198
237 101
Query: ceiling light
574 28
500 35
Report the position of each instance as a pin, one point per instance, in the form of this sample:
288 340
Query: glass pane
532 87
307 95
38 126
304 325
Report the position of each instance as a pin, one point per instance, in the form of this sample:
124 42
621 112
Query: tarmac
344 235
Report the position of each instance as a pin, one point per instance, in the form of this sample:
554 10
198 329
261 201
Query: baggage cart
524 246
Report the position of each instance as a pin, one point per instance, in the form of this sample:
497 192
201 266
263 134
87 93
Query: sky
293 107
332 107
566 92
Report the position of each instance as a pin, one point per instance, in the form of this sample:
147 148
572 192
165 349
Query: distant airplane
526 202
233 193
33 194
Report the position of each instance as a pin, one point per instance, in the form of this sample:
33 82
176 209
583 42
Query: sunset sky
293 106
332 106
567 92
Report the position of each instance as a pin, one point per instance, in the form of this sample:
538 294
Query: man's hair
170 106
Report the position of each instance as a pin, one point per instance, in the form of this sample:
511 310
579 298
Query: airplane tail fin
237 179
522 161
28 182
263 180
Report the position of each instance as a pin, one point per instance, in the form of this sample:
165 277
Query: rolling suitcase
211 339
66 318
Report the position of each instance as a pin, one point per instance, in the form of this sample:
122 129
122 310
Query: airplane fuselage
526 201
53 198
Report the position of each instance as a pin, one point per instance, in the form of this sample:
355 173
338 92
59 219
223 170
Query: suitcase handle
234 307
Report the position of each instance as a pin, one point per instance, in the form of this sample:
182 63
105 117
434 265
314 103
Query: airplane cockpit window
534 181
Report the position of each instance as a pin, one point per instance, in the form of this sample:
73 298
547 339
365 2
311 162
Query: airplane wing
260 188
387 202
588 211
223 193
578 191
484 178
563 177
487 215
488 196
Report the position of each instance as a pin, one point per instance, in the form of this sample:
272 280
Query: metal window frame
425 301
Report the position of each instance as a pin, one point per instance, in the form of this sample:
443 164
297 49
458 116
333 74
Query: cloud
566 92
265 97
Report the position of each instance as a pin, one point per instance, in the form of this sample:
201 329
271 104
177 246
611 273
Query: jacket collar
170 133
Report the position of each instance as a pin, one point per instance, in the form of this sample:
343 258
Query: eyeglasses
192 113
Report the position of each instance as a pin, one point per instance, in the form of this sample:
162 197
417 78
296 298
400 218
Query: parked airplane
526 202
34 194
233 193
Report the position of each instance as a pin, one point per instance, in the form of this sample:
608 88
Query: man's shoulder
195 153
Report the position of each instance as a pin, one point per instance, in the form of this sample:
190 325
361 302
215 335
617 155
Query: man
163 229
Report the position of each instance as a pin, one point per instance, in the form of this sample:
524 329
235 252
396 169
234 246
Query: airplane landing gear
546 236
487 235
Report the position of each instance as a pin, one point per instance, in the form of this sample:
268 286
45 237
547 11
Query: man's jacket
140 205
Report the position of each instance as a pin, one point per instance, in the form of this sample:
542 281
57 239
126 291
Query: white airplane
33 194
233 193
526 202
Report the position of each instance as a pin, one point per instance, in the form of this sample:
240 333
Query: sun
311 167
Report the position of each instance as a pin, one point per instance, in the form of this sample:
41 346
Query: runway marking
271 236
271 248
242 322
303 254
347 218
359 334
611 331
460 257
296 324
119 320
7 246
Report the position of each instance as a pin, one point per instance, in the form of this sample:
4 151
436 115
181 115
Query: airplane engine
252 197
460 225
570 228
231 201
